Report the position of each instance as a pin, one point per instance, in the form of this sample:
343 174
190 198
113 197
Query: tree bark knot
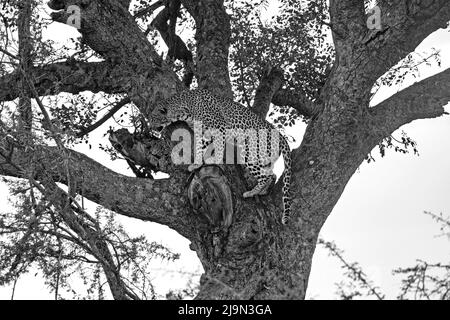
211 197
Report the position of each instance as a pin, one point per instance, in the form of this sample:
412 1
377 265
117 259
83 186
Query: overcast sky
378 221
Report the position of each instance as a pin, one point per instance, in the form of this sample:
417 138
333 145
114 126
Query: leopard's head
166 113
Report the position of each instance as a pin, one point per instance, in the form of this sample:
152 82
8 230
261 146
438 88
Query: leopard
230 122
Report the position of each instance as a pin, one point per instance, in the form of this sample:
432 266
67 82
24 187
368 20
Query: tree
329 86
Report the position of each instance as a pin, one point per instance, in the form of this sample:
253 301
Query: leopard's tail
287 201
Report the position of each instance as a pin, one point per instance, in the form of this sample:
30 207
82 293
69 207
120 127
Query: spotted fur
233 121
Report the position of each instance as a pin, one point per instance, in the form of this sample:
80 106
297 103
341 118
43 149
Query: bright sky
379 220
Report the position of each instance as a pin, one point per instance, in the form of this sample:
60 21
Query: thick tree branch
348 21
423 100
25 48
270 91
213 41
119 105
147 152
177 48
162 201
148 10
70 77
270 83
404 25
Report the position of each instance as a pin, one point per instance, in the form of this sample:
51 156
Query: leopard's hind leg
263 184
267 186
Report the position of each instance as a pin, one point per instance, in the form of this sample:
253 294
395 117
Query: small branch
9 54
145 11
348 21
213 32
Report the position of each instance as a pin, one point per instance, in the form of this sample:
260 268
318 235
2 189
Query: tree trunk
255 257
245 251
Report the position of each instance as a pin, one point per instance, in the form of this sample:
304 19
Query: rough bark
213 42
177 49
299 102
25 47
109 29
254 257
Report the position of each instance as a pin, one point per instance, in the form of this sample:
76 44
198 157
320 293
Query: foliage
423 281
34 237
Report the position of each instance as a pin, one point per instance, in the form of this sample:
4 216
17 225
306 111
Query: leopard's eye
163 111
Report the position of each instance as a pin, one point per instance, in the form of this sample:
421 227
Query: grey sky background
378 221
